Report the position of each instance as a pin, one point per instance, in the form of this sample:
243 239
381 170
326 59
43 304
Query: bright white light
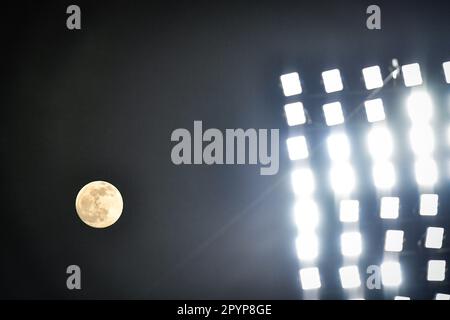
295 113
338 146
428 204
442 296
426 172
446 66
297 148
291 84
306 214
349 211
436 270
332 80
342 178
393 241
389 207
391 274
422 140
434 238
351 244
420 107
411 75
380 143
372 77
310 278
401 298
333 113
374 110
383 175
350 277
307 245
303 181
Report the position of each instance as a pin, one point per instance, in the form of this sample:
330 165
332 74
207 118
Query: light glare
391 274
333 113
310 278
351 244
374 110
297 148
411 74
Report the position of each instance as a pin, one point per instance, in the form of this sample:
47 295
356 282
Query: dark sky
102 102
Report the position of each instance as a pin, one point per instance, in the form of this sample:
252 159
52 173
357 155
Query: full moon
99 204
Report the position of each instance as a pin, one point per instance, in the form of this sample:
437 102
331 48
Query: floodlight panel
422 140
307 245
374 110
349 211
310 278
412 75
291 84
394 241
391 274
389 208
383 173
442 296
426 172
342 177
372 77
338 146
295 113
434 238
436 270
446 66
306 214
297 148
351 244
429 204
332 80
420 107
333 113
401 298
303 181
380 143
350 277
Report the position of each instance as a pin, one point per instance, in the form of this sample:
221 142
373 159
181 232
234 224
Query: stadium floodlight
426 172
372 77
411 75
350 277
295 114
342 177
380 143
420 107
401 298
297 148
351 244
391 274
446 66
389 208
374 110
332 80
393 241
436 270
422 140
442 296
434 238
333 113
383 175
303 181
428 204
349 211
338 146
306 214
291 84
307 245
310 278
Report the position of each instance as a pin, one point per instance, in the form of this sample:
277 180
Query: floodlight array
343 180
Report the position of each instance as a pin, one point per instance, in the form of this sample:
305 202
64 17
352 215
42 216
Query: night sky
101 103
